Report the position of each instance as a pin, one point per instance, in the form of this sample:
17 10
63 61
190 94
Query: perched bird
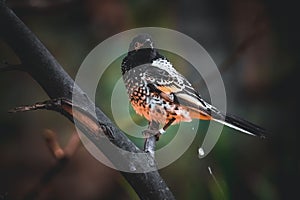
161 94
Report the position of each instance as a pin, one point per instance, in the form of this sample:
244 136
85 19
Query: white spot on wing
167 66
190 99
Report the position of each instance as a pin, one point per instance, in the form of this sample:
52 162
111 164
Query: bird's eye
136 45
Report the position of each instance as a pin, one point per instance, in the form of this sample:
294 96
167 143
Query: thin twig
8 67
53 145
62 156
216 181
71 111
72 145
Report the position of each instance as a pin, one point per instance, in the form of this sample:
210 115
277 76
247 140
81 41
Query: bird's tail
241 125
228 120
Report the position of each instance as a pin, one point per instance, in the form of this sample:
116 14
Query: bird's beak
148 41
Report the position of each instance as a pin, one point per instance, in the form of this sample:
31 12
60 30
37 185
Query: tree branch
7 67
44 68
73 144
150 141
53 144
61 155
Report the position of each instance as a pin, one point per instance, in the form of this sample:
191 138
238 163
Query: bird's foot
149 132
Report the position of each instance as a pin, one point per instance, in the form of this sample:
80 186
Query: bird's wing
161 76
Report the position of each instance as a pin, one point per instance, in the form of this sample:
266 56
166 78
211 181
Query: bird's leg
164 128
152 129
150 134
168 124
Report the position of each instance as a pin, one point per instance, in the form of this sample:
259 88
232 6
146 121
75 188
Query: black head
141 51
142 41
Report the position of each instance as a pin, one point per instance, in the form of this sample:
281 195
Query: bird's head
142 41
141 51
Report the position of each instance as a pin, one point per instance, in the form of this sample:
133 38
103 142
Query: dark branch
44 68
150 141
7 67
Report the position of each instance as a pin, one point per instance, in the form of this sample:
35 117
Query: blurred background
255 44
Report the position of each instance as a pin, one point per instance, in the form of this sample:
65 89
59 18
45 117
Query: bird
159 93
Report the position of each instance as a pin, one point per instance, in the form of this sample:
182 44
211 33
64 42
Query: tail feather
196 110
242 125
